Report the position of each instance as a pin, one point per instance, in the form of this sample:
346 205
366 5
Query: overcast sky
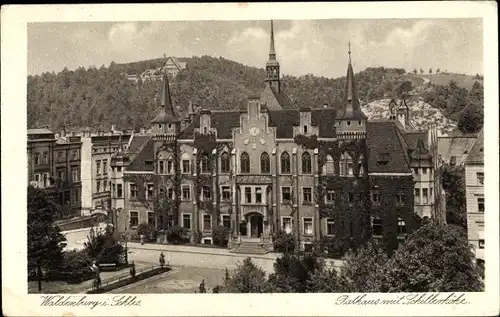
303 46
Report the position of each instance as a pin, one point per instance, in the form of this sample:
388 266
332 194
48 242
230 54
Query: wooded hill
100 97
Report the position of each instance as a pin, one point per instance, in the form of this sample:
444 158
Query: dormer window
348 123
360 123
159 126
170 126
382 158
205 130
305 129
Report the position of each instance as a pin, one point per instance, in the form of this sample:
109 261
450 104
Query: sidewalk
197 250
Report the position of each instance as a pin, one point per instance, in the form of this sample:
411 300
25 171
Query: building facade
272 167
474 190
54 165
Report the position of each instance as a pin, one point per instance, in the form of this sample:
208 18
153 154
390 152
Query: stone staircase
249 247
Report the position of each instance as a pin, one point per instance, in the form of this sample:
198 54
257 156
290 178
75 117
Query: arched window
329 165
245 163
306 163
224 163
285 163
265 165
204 164
360 166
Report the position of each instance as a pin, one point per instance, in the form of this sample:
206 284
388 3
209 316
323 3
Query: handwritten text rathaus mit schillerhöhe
406 299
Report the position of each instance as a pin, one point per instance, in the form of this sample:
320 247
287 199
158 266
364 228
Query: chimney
325 105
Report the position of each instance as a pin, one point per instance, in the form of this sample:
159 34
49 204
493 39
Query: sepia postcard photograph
321 158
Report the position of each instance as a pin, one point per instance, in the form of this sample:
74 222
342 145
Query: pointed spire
272 52
167 113
350 89
352 109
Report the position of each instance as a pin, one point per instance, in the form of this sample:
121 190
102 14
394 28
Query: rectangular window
98 186
134 218
185 167
258 195
307 195
226 193
425 197
37 158
75 155
75 196
481 243
206 194
98 167
308 226
248 195
170 166
226 221
119 192
480 178
60 175
186 221
453 160
286 194
207 222
161 167
431 196
151 191
330 197
170 193
37 179
401 226
417 196
151 218
118 169
400 199
105 167
133 191
104 185
113 190
207 241
45 158
350 197
349 169
424 171
60 156
286 224
377 226
341 168
480 204
376 197
186 192
415 171
330 226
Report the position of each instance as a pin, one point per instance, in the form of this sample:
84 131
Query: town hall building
272 167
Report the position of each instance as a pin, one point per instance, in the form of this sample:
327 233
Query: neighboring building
270 167
453 150
67 172
54 164
474 188
173 66
97 150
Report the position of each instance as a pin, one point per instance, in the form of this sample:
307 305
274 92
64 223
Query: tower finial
349 49
272 52
164 55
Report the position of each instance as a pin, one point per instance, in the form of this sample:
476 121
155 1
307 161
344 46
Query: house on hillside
272 167
173 66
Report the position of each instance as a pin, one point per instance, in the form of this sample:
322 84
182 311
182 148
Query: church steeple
352 107
272 65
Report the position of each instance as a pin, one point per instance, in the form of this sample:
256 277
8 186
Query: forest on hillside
101 97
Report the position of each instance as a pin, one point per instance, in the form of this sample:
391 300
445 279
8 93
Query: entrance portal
256 225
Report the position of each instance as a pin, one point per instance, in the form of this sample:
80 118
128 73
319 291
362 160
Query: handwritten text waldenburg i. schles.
84 301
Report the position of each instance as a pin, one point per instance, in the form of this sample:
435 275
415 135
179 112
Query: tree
421 71
162 260
430 70
324 280
435 258
292 273
220 236
247 278
202 288
45 241
438 71
470 120
453 182
403 89
363 271
415 71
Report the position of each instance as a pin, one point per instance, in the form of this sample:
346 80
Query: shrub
197 235
284 242
177 235
331 247
220 236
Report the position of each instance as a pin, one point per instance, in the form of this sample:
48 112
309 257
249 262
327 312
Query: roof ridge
402 143
132 161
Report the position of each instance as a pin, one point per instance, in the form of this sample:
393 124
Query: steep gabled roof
284 120
386 148
167 113
476 154
324 119
145 154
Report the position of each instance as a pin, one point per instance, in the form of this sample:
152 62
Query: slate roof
284 101
145 153
167 113
458 146
476 154
324 119
383 138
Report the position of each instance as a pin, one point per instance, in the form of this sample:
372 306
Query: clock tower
272 65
